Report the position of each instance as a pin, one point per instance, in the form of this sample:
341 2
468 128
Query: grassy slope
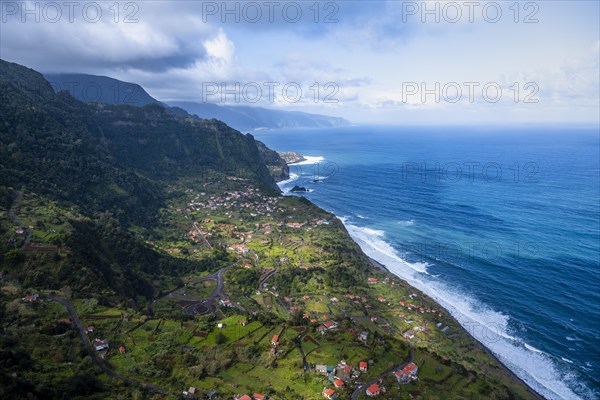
99 239
321 263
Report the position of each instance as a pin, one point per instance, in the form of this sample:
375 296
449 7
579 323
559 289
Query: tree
220 338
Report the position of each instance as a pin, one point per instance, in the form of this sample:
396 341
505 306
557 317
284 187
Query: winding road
103 365
206 305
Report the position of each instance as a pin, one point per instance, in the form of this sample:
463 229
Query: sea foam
309 160
488 326
291 179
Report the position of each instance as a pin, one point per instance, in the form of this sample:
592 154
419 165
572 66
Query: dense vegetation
104 157
121 216
112 163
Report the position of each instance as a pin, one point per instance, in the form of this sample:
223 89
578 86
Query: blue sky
384 61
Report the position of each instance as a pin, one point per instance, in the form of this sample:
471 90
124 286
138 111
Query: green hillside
145 254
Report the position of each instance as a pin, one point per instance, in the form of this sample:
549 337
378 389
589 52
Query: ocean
500 225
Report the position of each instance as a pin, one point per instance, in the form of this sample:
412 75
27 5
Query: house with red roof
258 396
338 383
31 298
329 325
275 340
347 371
363 366
407 373
372 280
330 394
373 390
244 397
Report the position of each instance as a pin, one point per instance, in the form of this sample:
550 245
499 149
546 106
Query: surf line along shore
308 160
382 267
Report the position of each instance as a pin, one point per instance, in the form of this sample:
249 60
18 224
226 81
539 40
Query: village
273 321
343 378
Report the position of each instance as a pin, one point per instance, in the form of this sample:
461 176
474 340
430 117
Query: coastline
382 267
531 388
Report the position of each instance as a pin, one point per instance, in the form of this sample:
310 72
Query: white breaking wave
289 191
291 179
488 326
374 238
531 348
310 160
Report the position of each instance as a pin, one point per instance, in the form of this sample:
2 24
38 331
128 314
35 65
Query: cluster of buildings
249 199
403 376
416 308
238 248
295 225
339 375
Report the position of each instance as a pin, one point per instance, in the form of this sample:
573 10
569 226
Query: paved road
98 362
329 308
266 278
206 305
364 386
203 238
298 340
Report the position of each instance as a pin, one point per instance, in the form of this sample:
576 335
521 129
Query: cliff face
277 166
100 89
113 158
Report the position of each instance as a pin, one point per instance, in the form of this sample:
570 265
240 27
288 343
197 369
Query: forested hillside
106 170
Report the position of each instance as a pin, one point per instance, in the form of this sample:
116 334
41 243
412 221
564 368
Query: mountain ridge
103 89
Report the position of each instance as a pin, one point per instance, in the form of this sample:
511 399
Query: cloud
154 42
367 50
574 82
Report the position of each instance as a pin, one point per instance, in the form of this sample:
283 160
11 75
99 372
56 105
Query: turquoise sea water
501 226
